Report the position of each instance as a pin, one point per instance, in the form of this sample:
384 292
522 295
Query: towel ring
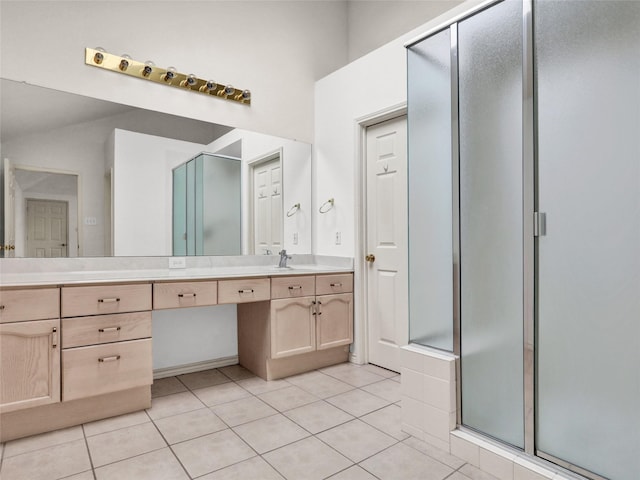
293 210
329 203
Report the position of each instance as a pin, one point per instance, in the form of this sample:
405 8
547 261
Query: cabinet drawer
80 331
29 304
242 291
184 294
328 284
290 287
101 299
89 371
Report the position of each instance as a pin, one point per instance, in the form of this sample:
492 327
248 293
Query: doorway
47 228
266 203
385 271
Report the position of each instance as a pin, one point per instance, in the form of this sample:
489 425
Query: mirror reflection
85 177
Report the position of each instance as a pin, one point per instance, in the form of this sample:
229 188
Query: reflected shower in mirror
85 177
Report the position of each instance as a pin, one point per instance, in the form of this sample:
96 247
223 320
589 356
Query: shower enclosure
528 115
206 206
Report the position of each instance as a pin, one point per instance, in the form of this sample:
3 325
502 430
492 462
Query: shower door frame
532 229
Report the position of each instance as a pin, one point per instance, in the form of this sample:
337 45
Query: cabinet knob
370 258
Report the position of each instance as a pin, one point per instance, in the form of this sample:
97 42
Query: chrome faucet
283 259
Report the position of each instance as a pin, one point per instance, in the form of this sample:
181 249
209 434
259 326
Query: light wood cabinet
334 320
30 359
184 294
105 352
244 290
29 304
292 334
293 326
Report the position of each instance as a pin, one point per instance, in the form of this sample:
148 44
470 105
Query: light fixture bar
148 71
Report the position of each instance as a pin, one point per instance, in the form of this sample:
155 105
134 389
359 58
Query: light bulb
190 81
171 73
124 63
243 96
209 86
148 68
99 55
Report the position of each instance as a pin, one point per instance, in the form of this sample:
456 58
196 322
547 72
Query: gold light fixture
97 57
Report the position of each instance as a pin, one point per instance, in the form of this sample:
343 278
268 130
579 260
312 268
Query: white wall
142 181
374 23
296 183
277 49
368 85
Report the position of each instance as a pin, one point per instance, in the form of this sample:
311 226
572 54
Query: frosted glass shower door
588 339
491 238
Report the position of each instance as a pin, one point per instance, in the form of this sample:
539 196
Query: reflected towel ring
293 210
329 203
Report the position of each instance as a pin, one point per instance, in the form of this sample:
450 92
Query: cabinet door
334 320
292 327
30 359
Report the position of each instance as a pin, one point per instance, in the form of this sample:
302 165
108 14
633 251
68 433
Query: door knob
370 258
63 244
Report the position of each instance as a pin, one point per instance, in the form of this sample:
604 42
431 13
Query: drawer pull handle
54 337
109 359
186 295
335 284
109 329
319 309
1 307
295 287
249 290
108 300
313 307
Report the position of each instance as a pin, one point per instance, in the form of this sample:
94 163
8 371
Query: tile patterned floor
340 422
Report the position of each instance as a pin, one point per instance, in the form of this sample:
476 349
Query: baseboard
195 367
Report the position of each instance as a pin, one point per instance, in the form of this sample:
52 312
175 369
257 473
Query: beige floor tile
124 443
387 419
308 459
212 452
320 384
48 463
253 469
115 423
406 463
226 392
358 377
387 389
186 426
88 475
318 416
458 476
173 405
158 465
353 473
475 473
256 385
270 433
288 398
43 440
166 386
206 378
358 402
356 440
236 372
243 411
383 372
433 452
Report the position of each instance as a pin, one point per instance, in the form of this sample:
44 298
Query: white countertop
40 272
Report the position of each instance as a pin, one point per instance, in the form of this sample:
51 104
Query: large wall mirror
85 177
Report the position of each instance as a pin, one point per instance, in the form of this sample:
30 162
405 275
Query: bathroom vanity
77 346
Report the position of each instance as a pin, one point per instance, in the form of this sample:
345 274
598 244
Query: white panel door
387 299
47 229
267 209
